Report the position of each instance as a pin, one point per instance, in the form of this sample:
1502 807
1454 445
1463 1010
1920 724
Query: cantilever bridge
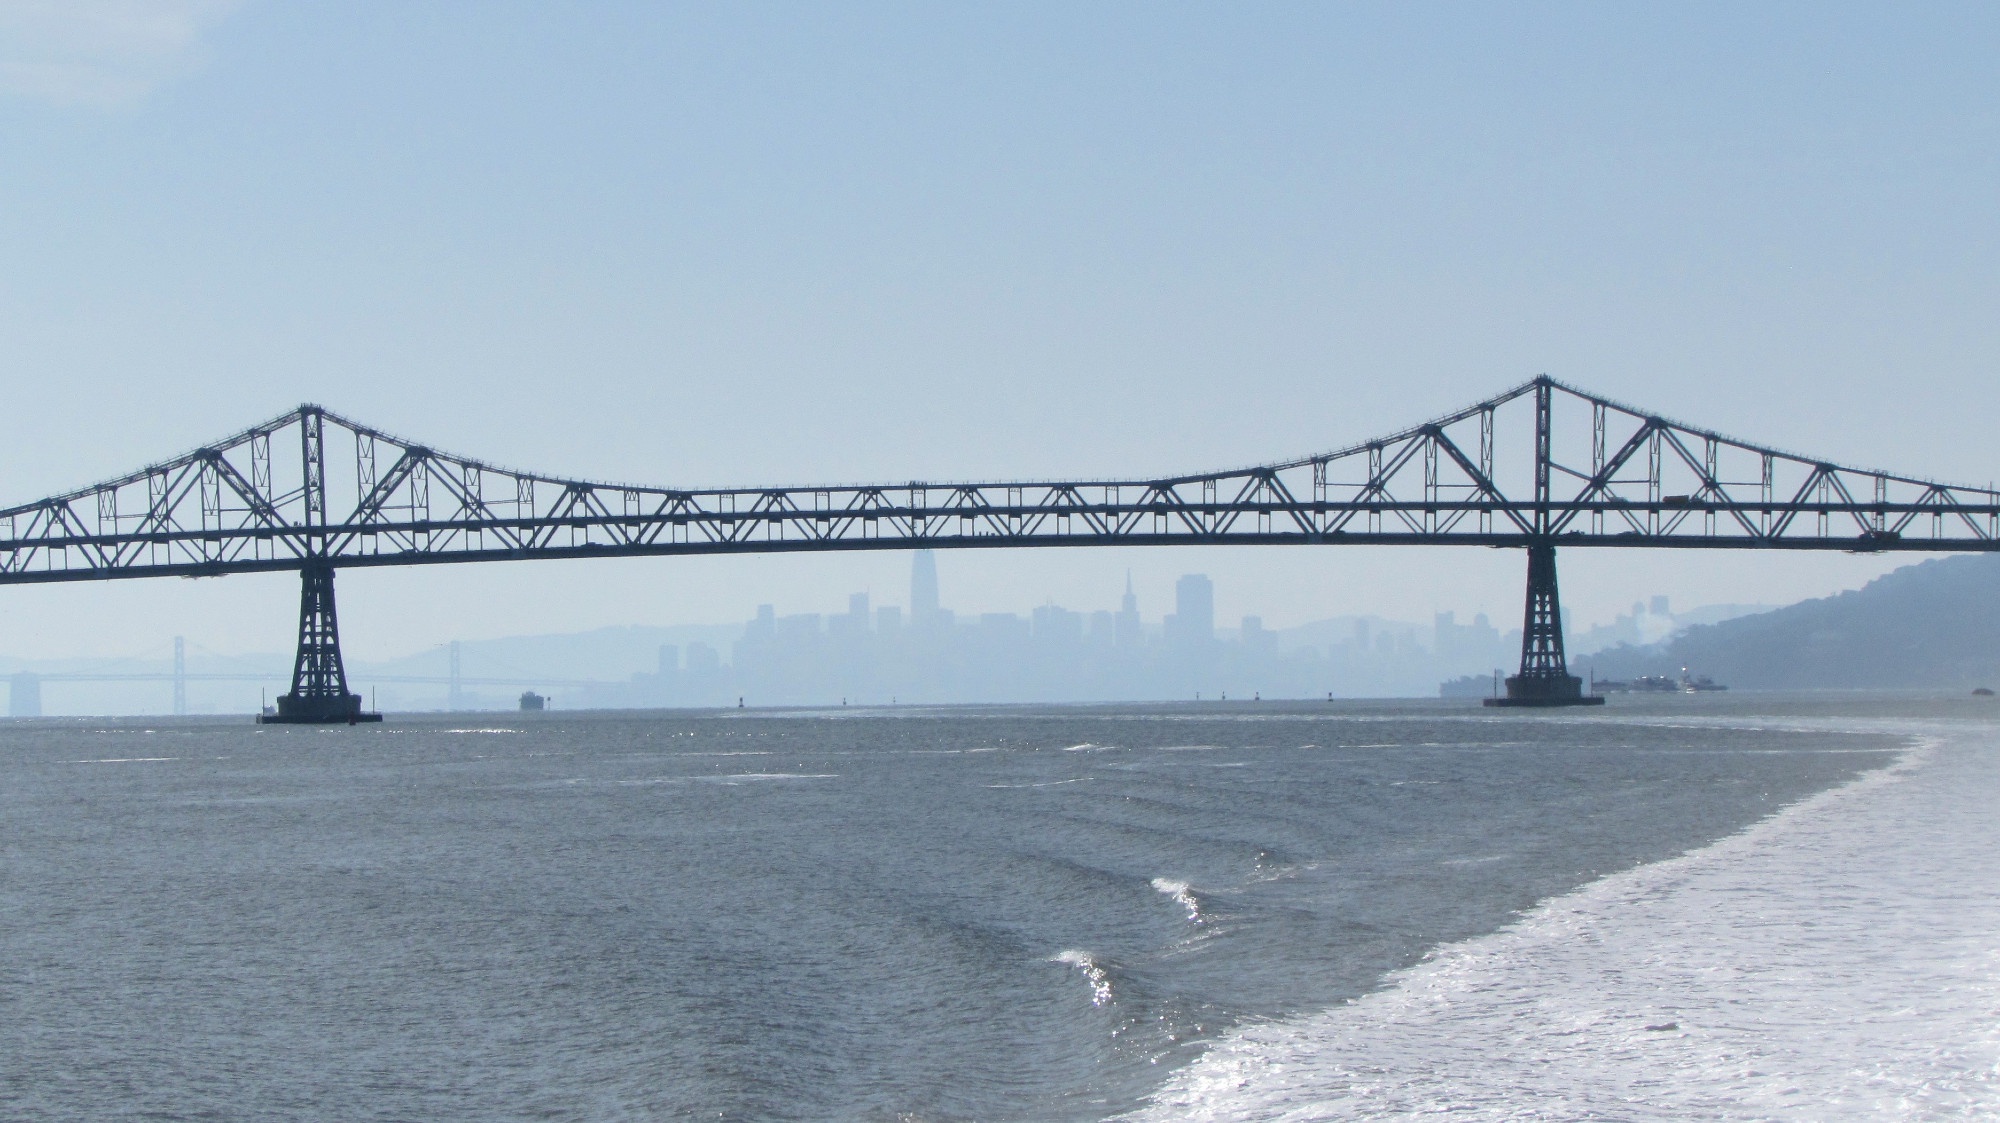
1539 466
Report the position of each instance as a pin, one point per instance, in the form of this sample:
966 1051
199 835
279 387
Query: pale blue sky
786 243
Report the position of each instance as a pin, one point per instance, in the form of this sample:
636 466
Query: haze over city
907 646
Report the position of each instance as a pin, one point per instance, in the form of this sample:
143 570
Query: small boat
1698 684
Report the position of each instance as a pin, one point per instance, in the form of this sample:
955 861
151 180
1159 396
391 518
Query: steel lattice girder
1541 462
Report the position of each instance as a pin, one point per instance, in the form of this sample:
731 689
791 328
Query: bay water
1008 913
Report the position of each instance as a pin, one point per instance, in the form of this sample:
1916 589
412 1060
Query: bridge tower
319 679
319 692
1544 679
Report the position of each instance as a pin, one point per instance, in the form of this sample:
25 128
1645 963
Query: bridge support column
1544 679
319 679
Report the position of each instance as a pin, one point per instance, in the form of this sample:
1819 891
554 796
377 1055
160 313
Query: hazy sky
786 243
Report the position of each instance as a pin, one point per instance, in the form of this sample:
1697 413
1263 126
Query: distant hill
1934 624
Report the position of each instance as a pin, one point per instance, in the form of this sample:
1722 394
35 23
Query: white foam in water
747 777
1840 960
1098 978
1179 891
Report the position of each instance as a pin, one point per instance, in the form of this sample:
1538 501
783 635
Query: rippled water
997 914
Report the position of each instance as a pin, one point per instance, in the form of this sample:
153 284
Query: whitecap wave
1180 892
1093 973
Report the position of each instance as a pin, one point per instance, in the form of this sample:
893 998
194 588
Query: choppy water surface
1003 914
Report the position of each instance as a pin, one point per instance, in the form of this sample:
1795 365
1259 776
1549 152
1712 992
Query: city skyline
1359 656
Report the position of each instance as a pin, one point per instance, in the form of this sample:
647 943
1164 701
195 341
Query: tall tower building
923 586
1194 610
1127 630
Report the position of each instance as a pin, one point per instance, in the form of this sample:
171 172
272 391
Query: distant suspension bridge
25 687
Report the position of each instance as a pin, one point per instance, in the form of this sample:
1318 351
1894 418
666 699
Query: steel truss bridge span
1539 466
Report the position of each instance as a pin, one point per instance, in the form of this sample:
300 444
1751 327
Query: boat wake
1838 960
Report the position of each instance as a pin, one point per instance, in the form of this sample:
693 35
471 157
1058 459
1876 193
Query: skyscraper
1193 621
923 587
1127 628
